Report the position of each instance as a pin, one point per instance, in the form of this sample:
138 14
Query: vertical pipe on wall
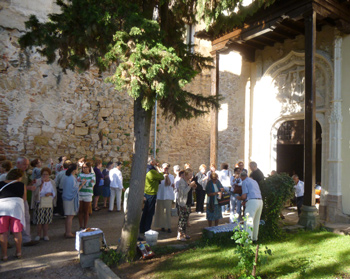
155 130
214 113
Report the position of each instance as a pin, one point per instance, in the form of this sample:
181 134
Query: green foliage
275 190
246 251
219 239
225 15
305 254
111 257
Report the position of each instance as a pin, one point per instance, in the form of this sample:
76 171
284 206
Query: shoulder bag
225 198
46 202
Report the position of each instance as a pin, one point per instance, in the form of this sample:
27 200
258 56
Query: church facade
270 85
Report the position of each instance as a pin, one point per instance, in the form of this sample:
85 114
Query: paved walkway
57 258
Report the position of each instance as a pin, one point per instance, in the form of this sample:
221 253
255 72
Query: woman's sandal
19 256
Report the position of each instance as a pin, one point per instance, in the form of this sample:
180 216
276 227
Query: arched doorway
290 148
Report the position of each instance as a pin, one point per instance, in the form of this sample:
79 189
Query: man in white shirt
299 192
116 186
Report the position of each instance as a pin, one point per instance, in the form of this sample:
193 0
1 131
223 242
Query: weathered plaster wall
231 116
46 113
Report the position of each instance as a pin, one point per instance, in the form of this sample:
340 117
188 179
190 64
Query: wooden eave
281 21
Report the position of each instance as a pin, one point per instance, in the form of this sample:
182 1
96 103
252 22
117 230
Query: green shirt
152 182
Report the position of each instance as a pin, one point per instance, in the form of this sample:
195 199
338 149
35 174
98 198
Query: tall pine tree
152 60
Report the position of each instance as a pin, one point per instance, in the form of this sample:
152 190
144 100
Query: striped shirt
87 189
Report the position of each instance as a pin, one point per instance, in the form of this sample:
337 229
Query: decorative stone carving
288 77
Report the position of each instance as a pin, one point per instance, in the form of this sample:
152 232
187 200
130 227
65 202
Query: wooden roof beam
294 27
253 44
343 26
263 40
273 37
283 34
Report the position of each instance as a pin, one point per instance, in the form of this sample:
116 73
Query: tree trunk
130 231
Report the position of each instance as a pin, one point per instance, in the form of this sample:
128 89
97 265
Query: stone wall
189 141
46 113
49 113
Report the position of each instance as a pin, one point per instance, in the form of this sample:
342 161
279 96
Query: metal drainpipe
155 17
155 130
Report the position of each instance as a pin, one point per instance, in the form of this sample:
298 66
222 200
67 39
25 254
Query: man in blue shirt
254 204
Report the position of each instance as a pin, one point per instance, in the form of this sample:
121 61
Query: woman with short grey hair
165 197
201 182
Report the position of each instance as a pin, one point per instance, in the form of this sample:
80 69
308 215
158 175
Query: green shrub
218 239
111 257
275 190
247 252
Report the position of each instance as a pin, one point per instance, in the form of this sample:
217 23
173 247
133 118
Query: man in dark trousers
153 177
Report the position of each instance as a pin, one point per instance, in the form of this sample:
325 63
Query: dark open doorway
290 148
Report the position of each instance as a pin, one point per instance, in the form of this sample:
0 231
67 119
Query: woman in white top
184 186
46 188
226 178
165 197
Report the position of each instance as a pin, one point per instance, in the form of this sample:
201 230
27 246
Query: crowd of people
165 192
74 190
76 187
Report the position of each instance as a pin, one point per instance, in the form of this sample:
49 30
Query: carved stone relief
288 78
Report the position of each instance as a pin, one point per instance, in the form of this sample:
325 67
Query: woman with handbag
45 197
214 191
184 187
